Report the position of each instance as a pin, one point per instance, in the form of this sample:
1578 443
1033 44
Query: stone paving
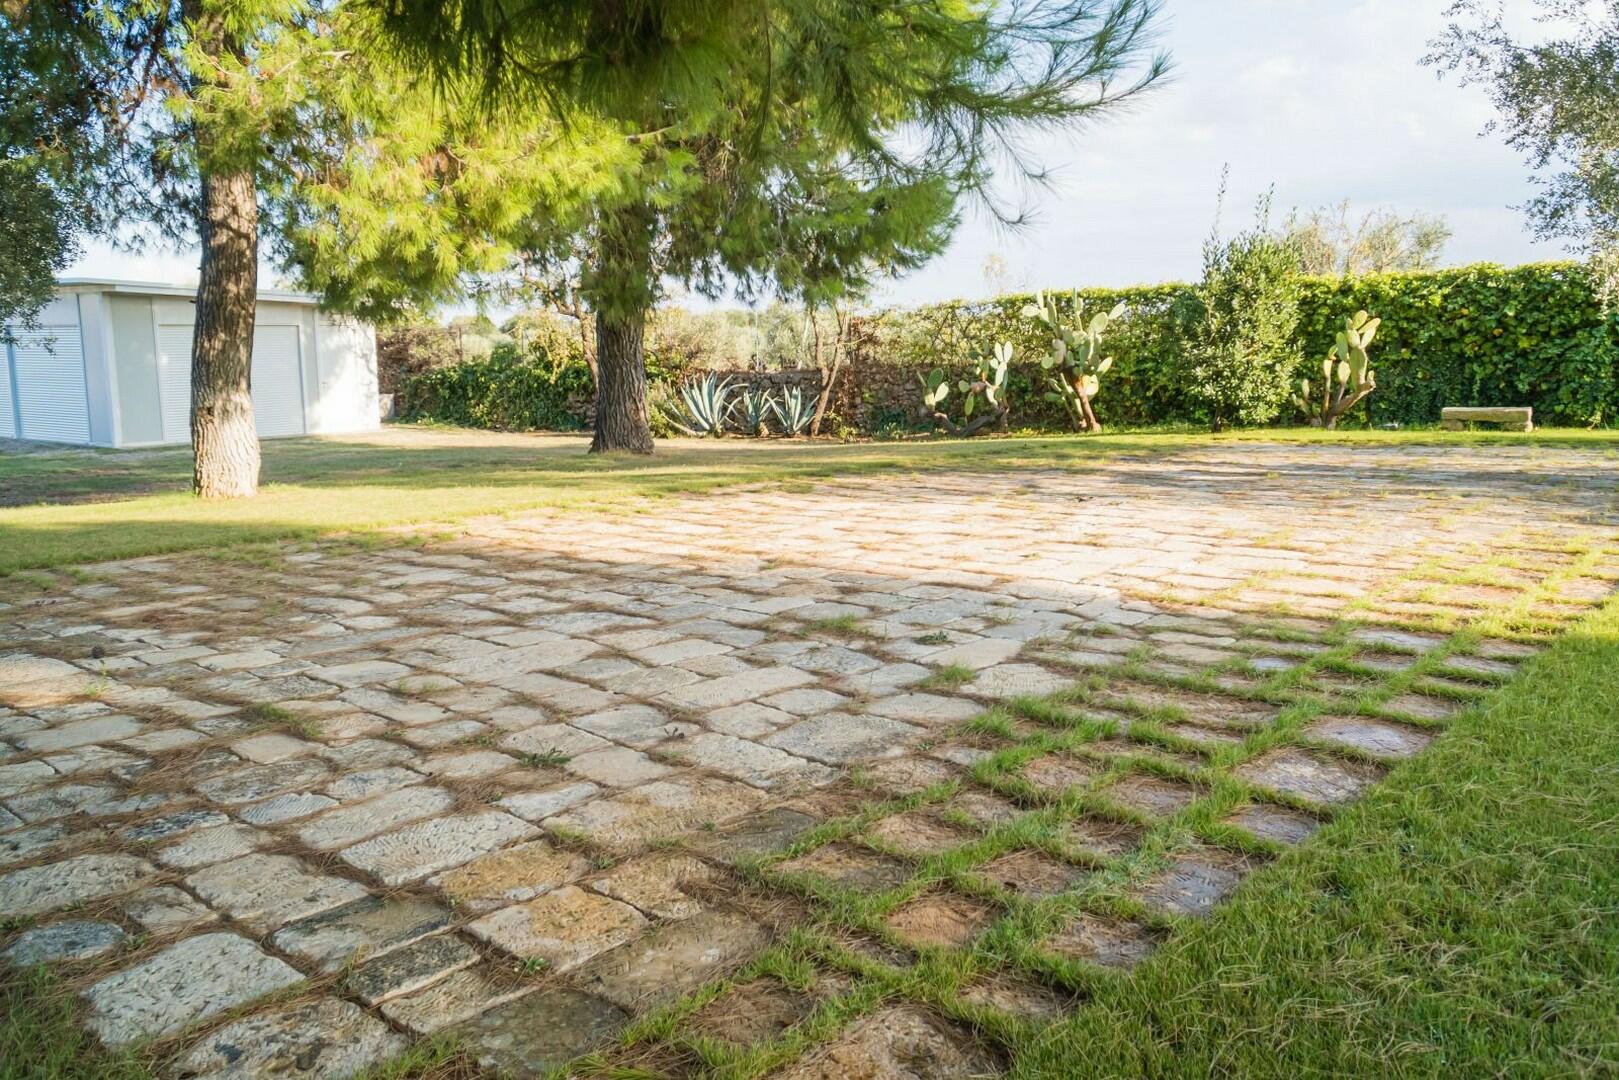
531 784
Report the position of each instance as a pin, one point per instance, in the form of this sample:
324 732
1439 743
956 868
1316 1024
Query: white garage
109 364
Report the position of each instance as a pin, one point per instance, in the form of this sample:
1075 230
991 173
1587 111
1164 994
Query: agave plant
705 404
793 410
751 408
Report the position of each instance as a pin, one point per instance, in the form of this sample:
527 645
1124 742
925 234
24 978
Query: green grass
1460 919
78 506
948 677
41 1037
838 626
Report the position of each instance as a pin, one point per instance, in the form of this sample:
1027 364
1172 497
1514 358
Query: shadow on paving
498 793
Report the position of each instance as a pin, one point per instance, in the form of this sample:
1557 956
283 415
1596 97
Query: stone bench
1454 418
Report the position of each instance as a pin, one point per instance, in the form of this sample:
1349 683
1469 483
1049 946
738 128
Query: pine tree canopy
793 146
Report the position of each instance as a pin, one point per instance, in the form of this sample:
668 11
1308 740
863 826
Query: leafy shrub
543 385
1242 352
508 391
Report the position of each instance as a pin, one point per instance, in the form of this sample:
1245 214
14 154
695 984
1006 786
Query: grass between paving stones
62 507
1458 918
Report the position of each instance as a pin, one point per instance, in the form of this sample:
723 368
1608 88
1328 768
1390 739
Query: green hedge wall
1477 335
513 390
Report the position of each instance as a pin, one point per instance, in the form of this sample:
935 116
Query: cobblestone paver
535 782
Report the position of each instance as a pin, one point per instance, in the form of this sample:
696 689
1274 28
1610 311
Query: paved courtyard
745 758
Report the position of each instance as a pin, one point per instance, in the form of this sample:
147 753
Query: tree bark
224 439
621 418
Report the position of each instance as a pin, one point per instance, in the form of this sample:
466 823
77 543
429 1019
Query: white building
109 364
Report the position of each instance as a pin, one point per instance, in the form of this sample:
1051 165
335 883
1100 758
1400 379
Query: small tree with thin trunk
830 369
789 146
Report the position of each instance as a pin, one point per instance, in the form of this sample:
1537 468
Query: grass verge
72 506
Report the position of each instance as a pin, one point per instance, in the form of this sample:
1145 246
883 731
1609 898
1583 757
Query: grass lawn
75 506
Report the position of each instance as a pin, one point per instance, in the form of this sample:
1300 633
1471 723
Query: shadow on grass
80 509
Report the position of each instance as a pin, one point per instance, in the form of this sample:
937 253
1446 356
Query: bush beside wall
507 391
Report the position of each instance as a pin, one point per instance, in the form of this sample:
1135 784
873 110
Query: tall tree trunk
624 272
621 419
224 439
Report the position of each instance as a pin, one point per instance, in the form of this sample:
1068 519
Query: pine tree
174 121
799 147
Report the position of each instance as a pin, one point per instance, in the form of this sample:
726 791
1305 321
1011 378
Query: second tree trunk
621 416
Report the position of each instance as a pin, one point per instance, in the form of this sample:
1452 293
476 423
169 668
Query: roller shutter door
8 404
278 384
174 381
51 396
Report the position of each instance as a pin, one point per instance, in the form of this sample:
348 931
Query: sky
1323 99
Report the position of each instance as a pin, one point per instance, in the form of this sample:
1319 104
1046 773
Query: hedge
532 389
1477 335
506 391
1532 335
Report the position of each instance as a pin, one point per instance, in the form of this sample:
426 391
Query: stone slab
366 928
459 997
541 1032
511 876
350 824
410 968
264 892
427 847
325 1037
71 939
36 890
673 959
184 983
842 739
564 927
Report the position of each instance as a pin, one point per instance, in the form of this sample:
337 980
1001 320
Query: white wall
336 367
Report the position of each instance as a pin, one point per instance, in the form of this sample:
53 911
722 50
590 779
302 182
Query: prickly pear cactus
1074 362
1346 374
983 397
